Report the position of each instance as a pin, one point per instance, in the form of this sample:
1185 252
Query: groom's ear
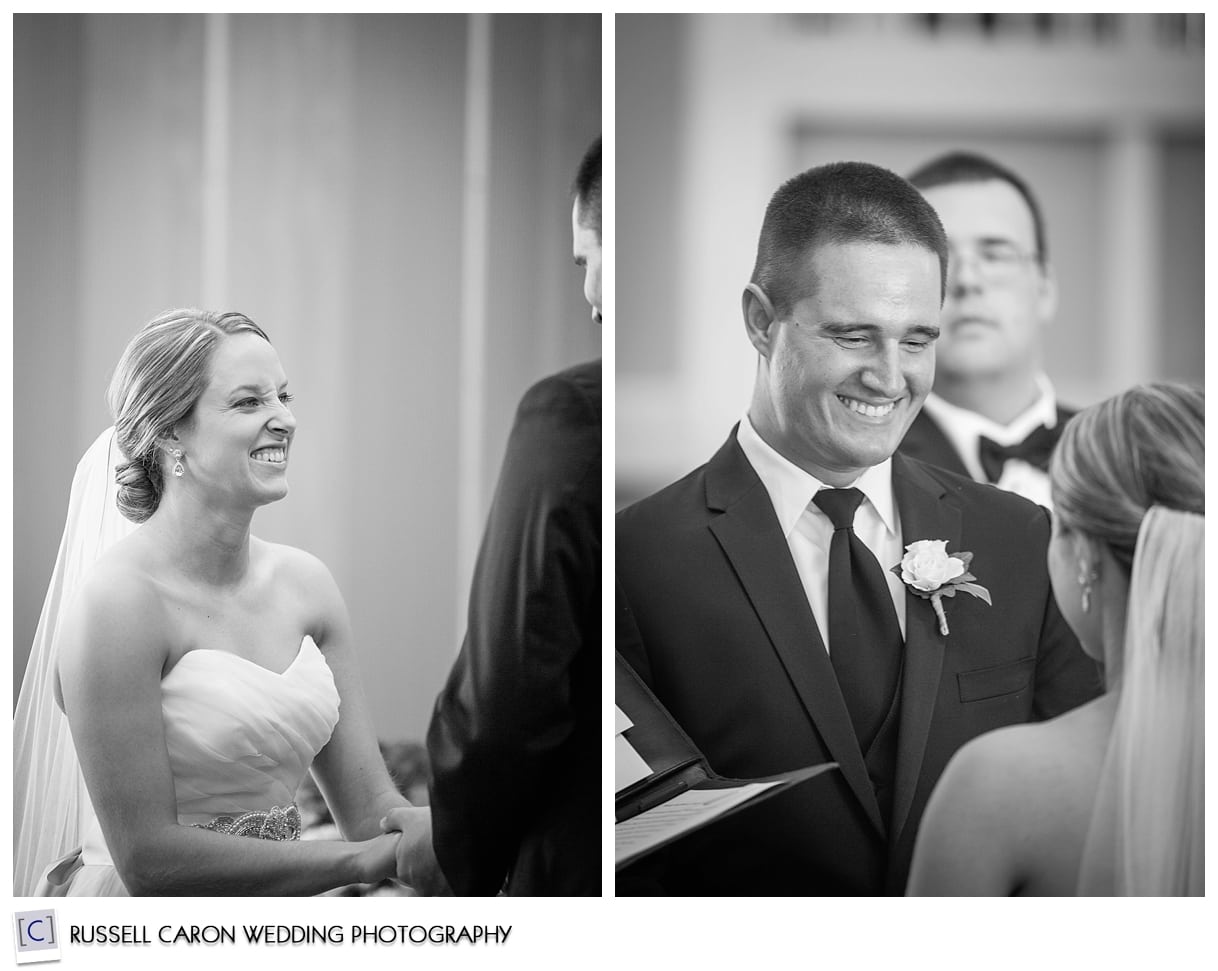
758 318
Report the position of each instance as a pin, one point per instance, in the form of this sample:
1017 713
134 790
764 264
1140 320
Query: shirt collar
791 488
965 427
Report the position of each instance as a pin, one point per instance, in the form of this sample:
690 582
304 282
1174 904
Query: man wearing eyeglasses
763 597
992 414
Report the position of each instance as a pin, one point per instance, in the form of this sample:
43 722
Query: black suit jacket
515 738
926 442
722 632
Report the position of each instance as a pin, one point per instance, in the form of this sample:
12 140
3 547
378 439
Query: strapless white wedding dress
240 739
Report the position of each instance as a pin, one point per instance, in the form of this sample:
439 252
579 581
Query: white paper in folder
629 766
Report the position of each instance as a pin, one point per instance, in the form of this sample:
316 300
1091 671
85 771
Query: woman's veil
1147 833
50 805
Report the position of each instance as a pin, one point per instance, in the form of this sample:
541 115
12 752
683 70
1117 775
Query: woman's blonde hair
1144 447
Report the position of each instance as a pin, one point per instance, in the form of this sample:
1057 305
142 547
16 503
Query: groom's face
849 365
586 250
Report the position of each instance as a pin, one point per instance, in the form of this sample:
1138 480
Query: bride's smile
236 442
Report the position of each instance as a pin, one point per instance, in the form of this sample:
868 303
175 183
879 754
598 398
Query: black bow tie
1035 450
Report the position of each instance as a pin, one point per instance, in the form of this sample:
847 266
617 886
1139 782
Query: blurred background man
993 414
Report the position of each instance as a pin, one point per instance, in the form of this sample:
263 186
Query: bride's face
1069 555
236 443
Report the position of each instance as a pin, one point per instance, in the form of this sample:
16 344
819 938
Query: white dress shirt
964 429
808 531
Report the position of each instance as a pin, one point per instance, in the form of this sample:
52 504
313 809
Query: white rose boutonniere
932 573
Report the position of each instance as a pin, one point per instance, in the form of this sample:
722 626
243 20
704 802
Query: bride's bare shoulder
305 581
1013 766
1010 809
124 578
290 564
119 605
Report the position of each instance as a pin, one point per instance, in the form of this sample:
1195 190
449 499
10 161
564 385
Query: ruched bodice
240 738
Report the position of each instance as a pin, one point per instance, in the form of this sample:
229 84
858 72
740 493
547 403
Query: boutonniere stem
932 573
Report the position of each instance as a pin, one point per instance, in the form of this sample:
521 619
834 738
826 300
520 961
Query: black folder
677 766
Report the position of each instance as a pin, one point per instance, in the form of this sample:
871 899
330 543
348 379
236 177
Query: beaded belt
265 824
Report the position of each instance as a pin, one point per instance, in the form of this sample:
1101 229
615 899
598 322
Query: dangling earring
1086 577
180 470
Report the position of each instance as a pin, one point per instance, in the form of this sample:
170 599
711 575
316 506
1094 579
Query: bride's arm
112 656
349 770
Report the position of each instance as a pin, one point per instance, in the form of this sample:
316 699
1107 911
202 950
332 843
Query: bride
1107 799
202 671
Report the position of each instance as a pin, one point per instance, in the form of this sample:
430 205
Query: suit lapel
926 513
748 533
927 442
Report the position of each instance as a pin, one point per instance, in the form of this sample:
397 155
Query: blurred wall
1102 114
386 194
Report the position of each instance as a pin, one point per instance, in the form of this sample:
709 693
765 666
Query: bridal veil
51 807
1147 833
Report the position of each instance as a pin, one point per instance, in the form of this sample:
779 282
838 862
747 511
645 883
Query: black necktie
864 636
1035 450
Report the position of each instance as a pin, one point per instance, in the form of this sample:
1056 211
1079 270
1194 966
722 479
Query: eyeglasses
997 260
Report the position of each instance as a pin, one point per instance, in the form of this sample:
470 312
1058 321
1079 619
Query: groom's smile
878 410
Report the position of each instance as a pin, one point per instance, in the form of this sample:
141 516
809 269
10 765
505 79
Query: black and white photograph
909 427
330 595
307 455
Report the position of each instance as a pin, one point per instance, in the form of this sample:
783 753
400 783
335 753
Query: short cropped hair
957 167
587 187
845 202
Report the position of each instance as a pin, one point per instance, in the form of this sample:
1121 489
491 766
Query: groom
766 616
515 738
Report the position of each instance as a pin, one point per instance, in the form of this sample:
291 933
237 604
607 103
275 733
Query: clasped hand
417 864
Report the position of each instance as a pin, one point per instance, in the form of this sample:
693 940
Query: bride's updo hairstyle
1144 447
1129 473
159 378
